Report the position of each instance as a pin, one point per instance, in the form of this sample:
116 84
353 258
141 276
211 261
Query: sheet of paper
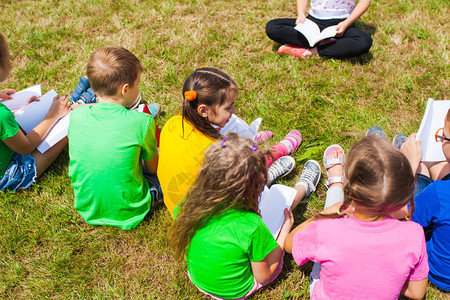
33 114
272 203
239 126
57 133
433 119
19 98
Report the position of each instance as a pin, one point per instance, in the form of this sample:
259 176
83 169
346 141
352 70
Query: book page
21 97
310 30
57 133
272 203
433 119
33 114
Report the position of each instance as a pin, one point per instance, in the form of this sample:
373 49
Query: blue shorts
423 181
21 173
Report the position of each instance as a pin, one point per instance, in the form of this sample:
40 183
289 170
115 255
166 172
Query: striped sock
263 136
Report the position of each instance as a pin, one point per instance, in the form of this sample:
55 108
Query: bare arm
357 12
263 270
413 152
25 144
415 289
301 11
152 165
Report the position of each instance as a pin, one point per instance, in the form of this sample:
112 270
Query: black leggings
353 43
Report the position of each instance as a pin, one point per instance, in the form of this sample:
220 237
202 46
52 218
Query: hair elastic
190 95
223 143
338 212
254 148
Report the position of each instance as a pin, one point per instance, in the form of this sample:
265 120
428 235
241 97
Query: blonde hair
378 177
5 63
110 67
232 176
212 87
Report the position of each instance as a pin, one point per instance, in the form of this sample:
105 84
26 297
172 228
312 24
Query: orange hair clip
190 95
202 67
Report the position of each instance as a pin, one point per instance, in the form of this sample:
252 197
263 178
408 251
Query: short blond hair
5 63
110 67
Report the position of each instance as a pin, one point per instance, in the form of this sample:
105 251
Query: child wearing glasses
432 204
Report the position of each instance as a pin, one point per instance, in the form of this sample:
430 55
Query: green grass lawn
46 248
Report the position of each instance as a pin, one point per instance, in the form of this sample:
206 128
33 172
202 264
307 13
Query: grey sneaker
376 131
399 140
280 168
310 176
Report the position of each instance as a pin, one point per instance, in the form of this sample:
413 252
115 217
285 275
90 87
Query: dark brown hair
212 87
110 67
232 176
5 63
378 177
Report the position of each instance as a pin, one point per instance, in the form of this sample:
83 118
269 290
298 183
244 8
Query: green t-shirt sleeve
262 243
149 149
8 124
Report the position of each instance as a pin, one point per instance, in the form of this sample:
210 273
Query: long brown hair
378 177
5 63
212 87
232 176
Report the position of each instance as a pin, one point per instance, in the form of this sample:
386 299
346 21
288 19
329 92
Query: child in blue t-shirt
432 203
20 162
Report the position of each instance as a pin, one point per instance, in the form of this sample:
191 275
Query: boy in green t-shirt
109 144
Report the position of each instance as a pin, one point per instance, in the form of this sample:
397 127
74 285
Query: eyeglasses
439 136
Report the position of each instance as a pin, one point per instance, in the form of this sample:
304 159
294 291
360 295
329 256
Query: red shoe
294 51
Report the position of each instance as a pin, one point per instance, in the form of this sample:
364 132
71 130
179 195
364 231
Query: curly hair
232 177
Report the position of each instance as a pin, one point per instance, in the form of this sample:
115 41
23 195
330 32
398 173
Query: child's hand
287 224
341 28
413 151
59 108
300 19
31 99
6 94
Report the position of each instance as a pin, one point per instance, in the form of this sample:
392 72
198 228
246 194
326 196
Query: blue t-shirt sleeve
427 205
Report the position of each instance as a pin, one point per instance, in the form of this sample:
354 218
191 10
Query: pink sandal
330 161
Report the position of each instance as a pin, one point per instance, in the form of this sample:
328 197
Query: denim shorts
20 173
423 181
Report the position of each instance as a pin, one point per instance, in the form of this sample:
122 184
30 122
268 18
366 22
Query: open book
312 32
272 203
31 115
433 119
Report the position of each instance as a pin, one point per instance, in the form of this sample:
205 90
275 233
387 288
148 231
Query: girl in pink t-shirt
363 252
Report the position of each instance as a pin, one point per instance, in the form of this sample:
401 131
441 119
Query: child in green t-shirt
20 162
109 145
230 252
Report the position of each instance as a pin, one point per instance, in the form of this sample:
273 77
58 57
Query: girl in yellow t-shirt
209 96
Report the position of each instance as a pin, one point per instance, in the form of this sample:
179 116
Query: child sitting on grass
349 42
20 162
432 203
208 99
369 255
109 144
230 252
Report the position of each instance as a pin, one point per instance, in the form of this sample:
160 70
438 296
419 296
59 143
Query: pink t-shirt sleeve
305 245
421 270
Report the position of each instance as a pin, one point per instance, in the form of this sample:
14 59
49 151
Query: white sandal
329 161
